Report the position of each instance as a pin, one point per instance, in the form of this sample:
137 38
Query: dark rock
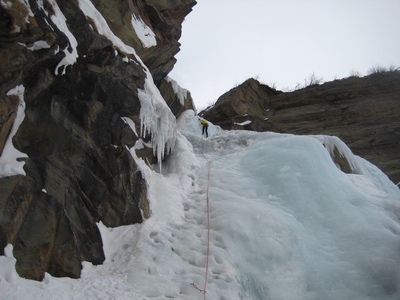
363 112
17 194
8 113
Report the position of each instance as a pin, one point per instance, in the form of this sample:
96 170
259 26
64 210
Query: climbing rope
204 290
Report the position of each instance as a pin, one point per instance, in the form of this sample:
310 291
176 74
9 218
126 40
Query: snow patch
7 262
244 123
11 159
71 53
144 33
102 27
7 4
38 45
130 123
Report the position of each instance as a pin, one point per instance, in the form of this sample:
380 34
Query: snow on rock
144 33
130 123
71 53
156 117
102 27
7 4
11 159
243 123
335 146
38 45
342 154
178 90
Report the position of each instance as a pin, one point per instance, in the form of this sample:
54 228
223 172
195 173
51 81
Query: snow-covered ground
285 223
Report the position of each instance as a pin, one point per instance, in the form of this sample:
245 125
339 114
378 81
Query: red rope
204 290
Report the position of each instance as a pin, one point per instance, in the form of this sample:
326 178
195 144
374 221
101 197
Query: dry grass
18 12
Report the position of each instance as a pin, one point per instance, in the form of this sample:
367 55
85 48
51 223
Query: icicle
156 119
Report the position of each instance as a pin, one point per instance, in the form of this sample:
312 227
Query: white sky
282 42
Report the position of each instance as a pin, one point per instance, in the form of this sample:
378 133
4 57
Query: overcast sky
283 42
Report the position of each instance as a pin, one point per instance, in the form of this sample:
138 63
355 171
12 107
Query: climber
205 126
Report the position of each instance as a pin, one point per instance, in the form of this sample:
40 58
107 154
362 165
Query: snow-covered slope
285 223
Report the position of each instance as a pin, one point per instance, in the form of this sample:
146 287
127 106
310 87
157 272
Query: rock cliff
363 112
74 76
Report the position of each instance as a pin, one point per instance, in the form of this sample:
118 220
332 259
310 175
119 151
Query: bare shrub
376 69
355 73
313 80
393 68
379 69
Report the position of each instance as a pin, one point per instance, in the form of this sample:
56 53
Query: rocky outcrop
79 82
243 107
363 112
164 17
177 98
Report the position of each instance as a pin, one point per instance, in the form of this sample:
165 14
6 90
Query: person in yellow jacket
205 126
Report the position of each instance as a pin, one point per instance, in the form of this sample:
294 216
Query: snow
7 4
7 262
178 90
11 159
38 45
244 123
144 33
286 223
102 27
71 53
130 123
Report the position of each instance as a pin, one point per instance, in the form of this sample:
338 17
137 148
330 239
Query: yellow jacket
203 122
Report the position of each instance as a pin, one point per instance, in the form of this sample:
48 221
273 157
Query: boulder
243 107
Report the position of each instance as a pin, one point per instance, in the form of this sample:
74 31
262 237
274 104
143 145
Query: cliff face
363 112
74 76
